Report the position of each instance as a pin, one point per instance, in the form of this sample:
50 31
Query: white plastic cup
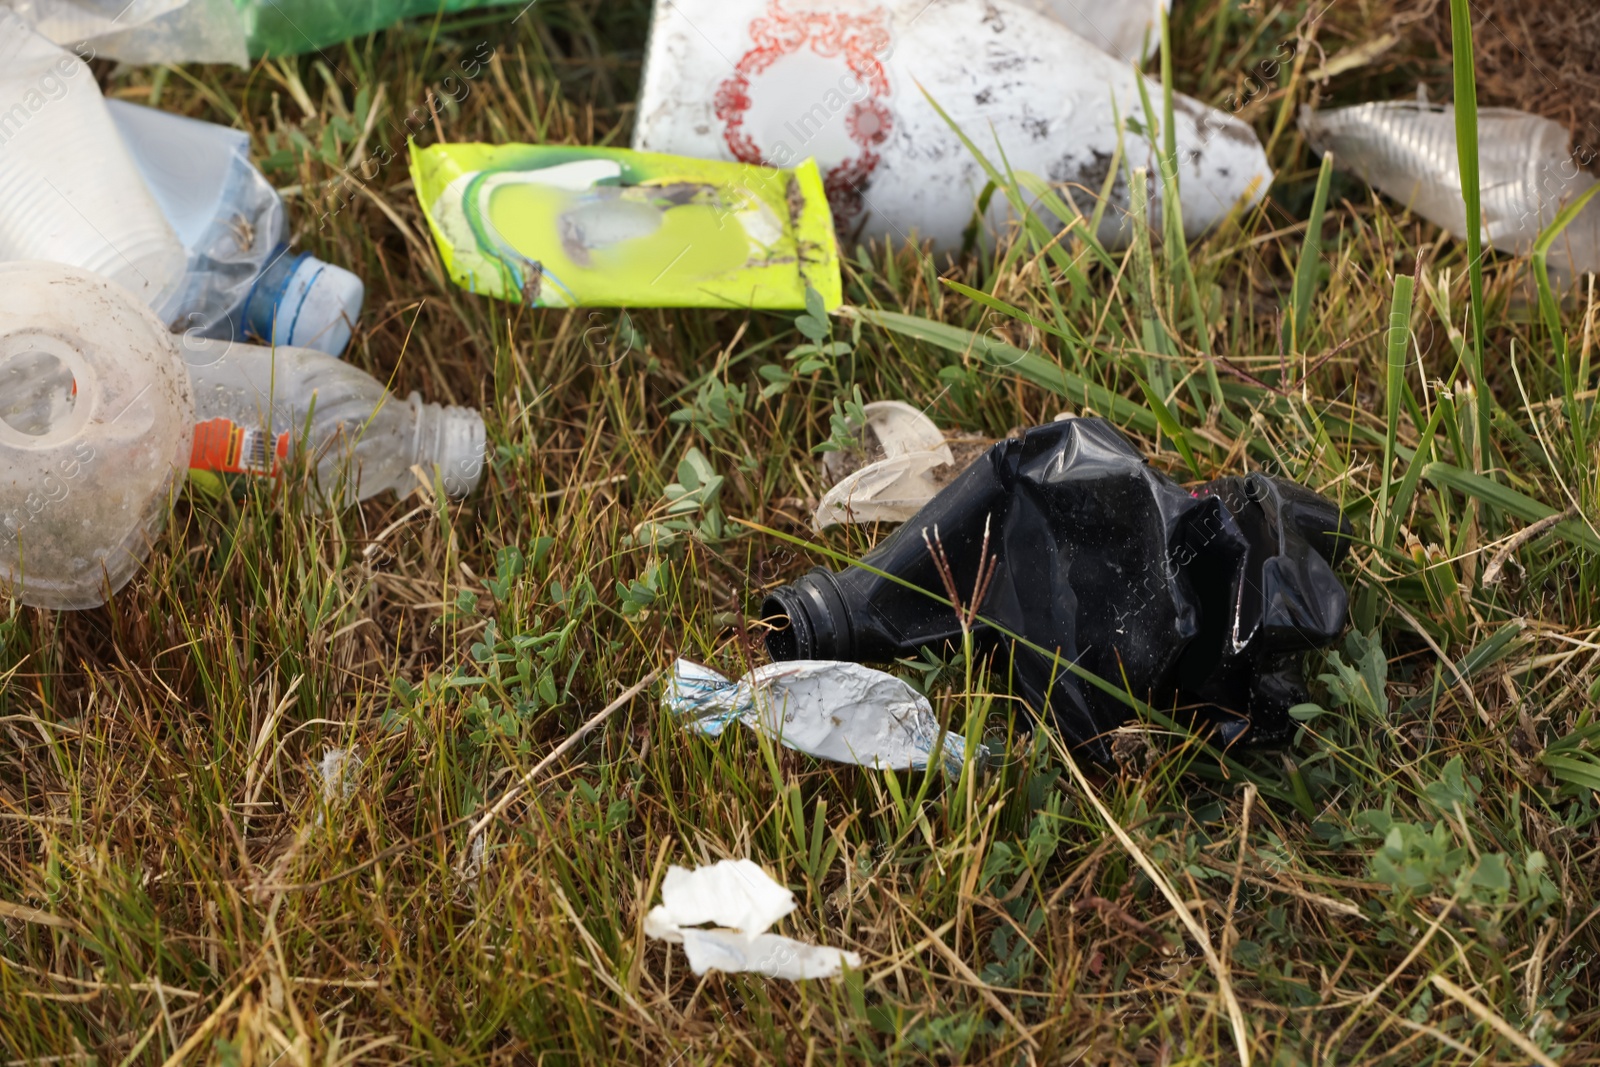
69 193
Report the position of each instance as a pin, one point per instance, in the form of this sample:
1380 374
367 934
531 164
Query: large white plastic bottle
776 81
255 406
1527 171
242 280
68 191
96 418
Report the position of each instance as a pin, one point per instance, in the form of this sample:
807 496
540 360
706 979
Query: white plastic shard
902 448
893 428
1130 30
832 710
743 901
1527 171
890 490
339 770
854 85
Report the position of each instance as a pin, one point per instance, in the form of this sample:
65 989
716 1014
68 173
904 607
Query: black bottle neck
810 620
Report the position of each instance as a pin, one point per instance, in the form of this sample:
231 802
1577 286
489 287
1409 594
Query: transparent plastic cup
68 191
96 419
1527 171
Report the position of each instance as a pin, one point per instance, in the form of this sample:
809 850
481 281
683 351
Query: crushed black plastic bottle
1200 601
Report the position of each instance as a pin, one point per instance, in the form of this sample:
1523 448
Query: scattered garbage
242 279
95 425
1129 30
851 85
743 901
836 711
255 405
338 772
892 475
101 407
1086 557
69 193
563 226
1527 171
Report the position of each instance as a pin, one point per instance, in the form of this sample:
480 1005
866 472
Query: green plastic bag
289 27
567 226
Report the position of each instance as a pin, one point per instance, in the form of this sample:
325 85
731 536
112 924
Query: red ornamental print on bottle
861 40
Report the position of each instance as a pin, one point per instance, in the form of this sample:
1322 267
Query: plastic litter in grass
836 711
743 901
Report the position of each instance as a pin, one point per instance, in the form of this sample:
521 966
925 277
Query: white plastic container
254 407
844 82
1527 171
233 226
96 418
68 191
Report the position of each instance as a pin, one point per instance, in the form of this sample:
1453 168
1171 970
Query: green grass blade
1399 349
1579 769
1551 314
1466 86
1401 505
1170 426
1307 269
1504 498
978 296
1032 366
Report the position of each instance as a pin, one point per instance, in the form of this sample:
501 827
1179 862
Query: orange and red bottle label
223 446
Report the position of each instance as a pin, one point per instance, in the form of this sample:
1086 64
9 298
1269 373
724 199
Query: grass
1412 881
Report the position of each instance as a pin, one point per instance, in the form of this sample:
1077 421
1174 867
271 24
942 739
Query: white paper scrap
743 900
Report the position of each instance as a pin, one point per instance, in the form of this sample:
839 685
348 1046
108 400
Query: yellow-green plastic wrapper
564 226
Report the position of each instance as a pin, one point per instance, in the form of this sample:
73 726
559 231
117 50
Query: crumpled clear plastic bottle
95 424
255 406
69 193
242 279
1202 599
1527 171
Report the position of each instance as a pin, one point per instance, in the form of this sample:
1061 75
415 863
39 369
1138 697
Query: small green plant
1003 870
1417 860
288 147
520 675
847 423
715 410
641 594
820 353
1362 682
690 506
